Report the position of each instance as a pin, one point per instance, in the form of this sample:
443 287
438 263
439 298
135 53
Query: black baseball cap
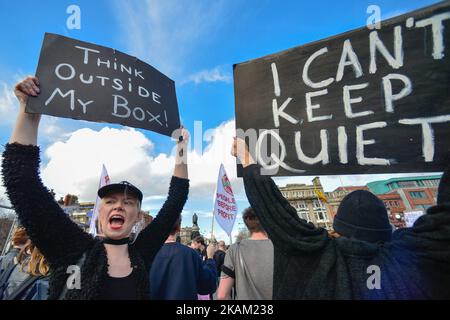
123 186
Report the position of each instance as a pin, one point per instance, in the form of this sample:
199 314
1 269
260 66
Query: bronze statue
194 219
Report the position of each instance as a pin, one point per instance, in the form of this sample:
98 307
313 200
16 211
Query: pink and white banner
225 208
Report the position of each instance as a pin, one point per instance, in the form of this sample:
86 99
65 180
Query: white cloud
50 127
165 33
74 164
213 75
8 104
221 235
204 165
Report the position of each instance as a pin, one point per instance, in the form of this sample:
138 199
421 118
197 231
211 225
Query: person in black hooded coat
412 263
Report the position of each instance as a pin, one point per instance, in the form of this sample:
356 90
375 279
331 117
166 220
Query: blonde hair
36 264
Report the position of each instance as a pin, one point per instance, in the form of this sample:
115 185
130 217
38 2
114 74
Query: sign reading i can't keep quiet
366 101
85 81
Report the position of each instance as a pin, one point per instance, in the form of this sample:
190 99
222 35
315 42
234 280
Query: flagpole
342 185
212 225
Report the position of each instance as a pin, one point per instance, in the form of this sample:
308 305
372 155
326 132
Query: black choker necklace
116 242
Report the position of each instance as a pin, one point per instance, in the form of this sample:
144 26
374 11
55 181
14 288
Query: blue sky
193 42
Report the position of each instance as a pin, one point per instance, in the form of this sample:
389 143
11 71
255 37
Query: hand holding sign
27 87
181 136
240 151
182 141
25 131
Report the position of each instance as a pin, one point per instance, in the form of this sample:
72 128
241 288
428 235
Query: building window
304 216
407 184
430 183
422 206
317 204
417 194
321 216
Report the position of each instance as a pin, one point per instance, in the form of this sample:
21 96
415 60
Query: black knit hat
361 215
123 186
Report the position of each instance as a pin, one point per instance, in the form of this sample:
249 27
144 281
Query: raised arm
59 239
279 219
207 279
153 236
430 235
27 124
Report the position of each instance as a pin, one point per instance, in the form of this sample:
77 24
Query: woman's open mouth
116 221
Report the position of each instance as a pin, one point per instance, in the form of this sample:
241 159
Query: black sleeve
430 235
443 195
219 257
59 239
207 280
153 236
279 219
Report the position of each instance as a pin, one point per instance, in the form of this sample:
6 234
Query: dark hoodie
308 264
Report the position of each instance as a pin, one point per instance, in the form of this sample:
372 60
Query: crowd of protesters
285 257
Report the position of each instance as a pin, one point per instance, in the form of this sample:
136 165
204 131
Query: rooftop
381 186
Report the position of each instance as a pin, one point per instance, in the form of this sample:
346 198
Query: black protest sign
82 80
366 101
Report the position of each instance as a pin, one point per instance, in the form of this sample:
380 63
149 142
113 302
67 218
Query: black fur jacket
63 243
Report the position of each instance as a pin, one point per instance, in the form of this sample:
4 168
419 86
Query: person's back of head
199 239
19 238
363 216
221 245
251 221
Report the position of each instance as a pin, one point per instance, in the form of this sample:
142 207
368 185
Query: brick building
335 197
417 193
396 208
305 199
